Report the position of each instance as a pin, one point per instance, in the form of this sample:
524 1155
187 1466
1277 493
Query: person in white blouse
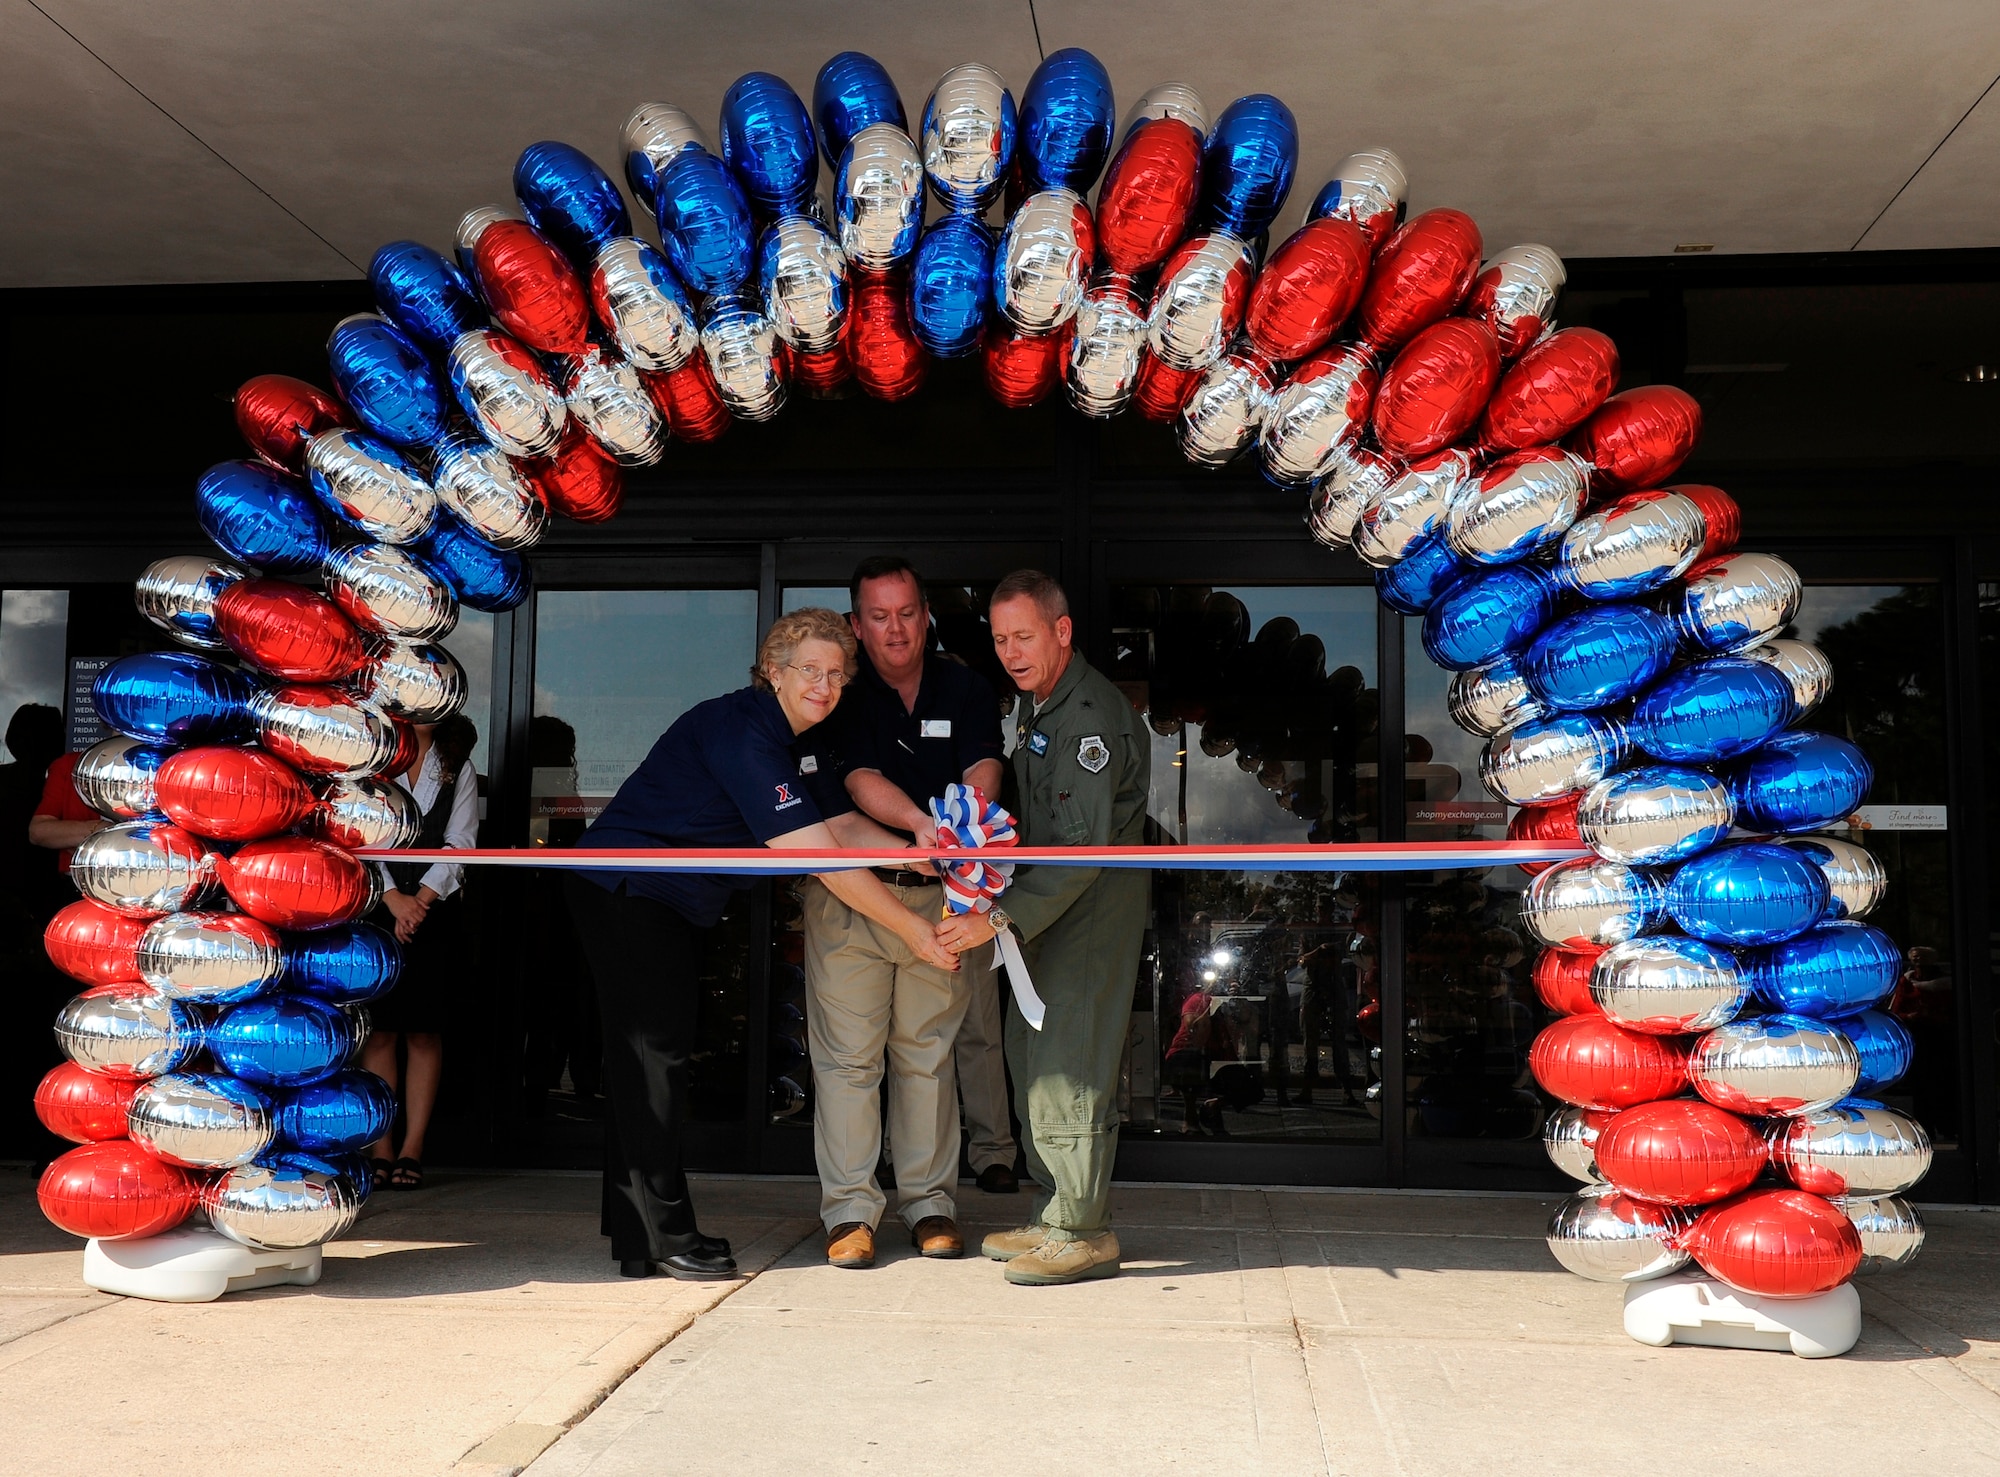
424 905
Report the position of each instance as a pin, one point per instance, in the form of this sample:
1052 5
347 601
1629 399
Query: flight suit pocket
1071 823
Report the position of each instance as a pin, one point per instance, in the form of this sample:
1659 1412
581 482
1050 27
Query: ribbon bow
966 818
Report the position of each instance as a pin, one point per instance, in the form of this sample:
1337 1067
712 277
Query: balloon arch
1623 660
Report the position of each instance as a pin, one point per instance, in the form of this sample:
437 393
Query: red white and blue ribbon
967 819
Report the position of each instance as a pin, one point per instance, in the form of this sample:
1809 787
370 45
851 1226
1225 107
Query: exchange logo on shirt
786 799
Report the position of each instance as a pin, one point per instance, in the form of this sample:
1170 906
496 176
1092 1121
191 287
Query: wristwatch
999 919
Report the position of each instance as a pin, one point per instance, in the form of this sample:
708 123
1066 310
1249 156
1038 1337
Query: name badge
1038 743
808 764
934 728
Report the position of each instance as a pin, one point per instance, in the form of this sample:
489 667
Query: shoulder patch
1092 753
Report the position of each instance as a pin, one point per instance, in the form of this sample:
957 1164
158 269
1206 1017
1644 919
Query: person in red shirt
61 821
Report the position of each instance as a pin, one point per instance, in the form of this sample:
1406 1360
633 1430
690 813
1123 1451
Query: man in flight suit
1084 766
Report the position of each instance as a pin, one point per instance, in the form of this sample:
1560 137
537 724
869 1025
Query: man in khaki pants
913 722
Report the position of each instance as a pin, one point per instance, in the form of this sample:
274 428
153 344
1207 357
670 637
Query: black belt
903 877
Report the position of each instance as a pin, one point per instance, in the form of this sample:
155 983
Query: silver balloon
1197 308
1805 666
652 327
208 958
1774 1066
472 225
368 812
1853 873
742 351
1654 814
1323 405
603 394
1516 293
508 394
1166 100
1043 263
1485 700
1570 1138
648 142
1737 602
369 485
178 595
1519 506
345 737
411 681
116 777
494 498
805 283
965 137
1591 901
1411 507
359 1024
382 589
201 1120
1544 759
377 885
282 1203
1634 545
1853 1150
1221 417
1354 477
1667 985
1104 350
878 197
1892 1233
130 1032
141 868
1373 188
1607 1236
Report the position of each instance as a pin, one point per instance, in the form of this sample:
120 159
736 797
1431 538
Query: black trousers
645 958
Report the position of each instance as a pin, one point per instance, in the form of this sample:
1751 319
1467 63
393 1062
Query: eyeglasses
815 675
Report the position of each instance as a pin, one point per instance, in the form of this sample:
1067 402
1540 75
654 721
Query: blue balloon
426 295
1885 1047
263 518
480 575
1755 893
951 286
767 140
175 697
1066 120
1247 165
1833 970
852 91
1800 782
336 1115
342 965
569 199
353 1170
281 1040
1713 710
1487 614
386 380
705 222
1427 569
1599 655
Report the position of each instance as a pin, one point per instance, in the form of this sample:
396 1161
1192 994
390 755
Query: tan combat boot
1004 1246
1077 1260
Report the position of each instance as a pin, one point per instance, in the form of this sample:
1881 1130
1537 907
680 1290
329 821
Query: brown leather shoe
851 1244
937 1236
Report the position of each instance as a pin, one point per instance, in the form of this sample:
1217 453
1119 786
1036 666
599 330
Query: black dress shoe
712 1245
998 1179
700 1265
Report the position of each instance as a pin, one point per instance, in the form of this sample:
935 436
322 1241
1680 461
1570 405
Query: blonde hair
791 631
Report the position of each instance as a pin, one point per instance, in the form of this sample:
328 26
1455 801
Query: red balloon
232 794
89 942
532 289
406 750
1550 391
1680 1153
1638 439
1021 369
1586 1060
1562 979
288 631
295 882
1421 274
1555 821
821 374
1435 389
687 397
1148 195
1307 289
881 345
580 481
1720 515
84 1107
1776 1243
116 1190
278 415
1158 393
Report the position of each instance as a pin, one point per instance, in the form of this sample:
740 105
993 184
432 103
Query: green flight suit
1083 765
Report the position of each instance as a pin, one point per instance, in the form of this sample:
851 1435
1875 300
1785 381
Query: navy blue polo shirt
728 773
920 750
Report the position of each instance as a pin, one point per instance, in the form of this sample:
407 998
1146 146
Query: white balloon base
193 1265
1687 1308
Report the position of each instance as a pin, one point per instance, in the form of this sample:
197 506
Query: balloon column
1623 659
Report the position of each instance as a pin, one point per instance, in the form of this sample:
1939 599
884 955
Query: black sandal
379 1171
406 1174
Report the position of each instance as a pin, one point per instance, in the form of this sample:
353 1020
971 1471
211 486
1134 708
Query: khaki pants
868 1000
981 1059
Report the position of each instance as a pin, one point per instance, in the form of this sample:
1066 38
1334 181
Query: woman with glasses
730 772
